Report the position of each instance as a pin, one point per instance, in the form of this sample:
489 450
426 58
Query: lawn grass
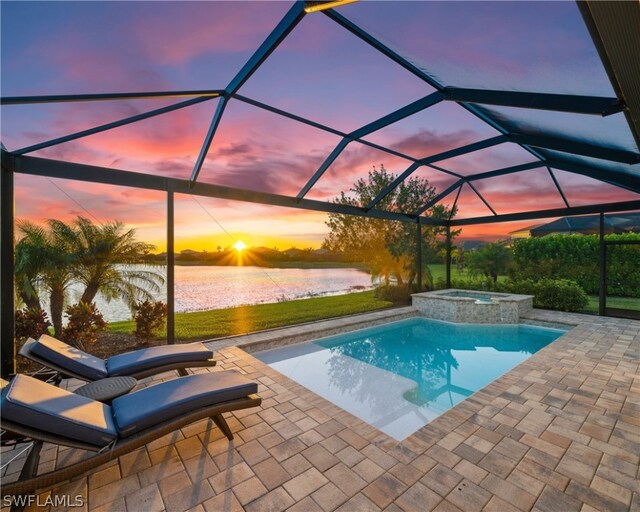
243 319
632 303
439 271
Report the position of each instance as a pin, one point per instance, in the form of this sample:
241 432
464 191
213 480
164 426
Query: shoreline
303 265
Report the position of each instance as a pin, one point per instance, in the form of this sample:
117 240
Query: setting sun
239 246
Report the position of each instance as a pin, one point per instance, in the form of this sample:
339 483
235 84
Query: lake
201 288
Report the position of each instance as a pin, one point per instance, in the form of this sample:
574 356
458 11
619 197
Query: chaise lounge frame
64 373
29 481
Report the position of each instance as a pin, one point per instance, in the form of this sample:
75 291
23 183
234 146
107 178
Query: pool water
481 298
400 376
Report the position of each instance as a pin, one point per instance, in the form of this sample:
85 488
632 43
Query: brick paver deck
560 432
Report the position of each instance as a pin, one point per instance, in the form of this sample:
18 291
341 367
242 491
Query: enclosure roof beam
115 124
556 212
387 190
577 148
328 129
213 127
440 196
273 40
374 126
406 111
486 203
613 27
68 98
325 165
491 174
94 174
557 184
470 148
289 115
455 203
506 170
382 48
595 105
412 68
616 178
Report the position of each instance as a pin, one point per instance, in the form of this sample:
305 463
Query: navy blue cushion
69 358
156 404
36 404
137 361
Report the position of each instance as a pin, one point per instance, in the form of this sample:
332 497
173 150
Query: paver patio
559 432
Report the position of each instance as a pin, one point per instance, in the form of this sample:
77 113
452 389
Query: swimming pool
400 376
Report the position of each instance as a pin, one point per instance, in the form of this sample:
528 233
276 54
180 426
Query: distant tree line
252 255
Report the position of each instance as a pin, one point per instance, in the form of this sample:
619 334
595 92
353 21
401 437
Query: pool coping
300 333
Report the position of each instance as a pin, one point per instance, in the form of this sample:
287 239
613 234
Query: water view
200 288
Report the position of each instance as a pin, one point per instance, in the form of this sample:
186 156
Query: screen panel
516 46
326 74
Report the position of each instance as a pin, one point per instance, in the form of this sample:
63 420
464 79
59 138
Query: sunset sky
321 72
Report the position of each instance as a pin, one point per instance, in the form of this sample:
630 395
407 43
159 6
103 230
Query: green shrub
149 318
556 294
559 294
83 325
398 295
31 323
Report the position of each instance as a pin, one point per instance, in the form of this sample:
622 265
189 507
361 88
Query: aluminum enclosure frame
471 100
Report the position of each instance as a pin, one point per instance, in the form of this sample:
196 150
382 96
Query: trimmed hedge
556 294
576 257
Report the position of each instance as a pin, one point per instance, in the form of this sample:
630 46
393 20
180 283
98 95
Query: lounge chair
69 361
42 412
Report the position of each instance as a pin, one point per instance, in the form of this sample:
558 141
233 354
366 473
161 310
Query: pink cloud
96 201
430 142
582 190
523 191
205 28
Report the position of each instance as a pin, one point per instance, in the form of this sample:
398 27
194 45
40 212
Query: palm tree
490 260
103 255
43 265
98 257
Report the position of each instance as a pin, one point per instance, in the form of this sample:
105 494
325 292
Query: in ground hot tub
472 307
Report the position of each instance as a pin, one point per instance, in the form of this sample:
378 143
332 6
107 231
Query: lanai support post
419 253
448 250
603 270
171 256
7 297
